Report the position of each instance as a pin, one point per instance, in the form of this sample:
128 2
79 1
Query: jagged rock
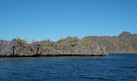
88 46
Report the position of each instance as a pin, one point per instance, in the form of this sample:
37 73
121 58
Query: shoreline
77 55
122 53
59 56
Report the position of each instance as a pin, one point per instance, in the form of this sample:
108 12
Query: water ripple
116 68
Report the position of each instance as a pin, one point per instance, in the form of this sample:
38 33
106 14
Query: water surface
114 67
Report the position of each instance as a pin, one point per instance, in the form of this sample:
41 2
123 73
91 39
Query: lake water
114 67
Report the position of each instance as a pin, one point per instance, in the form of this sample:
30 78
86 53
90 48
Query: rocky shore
71 46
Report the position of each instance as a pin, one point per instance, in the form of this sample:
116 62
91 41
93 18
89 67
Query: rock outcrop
72 46
124 43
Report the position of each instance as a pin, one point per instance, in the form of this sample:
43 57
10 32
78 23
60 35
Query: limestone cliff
72 46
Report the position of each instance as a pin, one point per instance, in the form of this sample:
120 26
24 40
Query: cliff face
69 46
88 46
124 43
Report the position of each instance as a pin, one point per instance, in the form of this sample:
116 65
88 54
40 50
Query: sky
55 19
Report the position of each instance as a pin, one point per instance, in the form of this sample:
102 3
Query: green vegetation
76 39
69 37
61 40
43 48
84 42
21 43
72 44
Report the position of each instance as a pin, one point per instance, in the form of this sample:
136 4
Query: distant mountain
72 46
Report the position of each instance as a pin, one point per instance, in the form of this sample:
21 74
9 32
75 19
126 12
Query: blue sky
55 19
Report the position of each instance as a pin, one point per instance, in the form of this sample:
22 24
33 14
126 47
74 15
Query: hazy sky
55 19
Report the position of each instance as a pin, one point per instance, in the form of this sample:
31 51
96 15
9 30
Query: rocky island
71 46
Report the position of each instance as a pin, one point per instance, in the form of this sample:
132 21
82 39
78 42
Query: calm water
114 67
